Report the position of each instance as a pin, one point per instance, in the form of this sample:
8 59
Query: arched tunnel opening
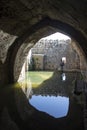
31 36
22 24
47 54
59 94
16 56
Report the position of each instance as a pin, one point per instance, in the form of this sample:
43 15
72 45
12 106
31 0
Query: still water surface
55 95
54 106
50 105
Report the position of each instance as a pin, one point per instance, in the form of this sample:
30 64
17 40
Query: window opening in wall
64 60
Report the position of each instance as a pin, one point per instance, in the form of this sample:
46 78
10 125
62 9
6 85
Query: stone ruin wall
53 51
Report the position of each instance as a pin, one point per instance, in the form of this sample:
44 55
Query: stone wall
26 19
39 61
54 50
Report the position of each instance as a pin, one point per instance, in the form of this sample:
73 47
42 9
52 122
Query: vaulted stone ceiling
25 21
17 15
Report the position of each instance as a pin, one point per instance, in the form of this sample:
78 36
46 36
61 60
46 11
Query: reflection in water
63 76
51 103
27 88
54 106
16 113
54 95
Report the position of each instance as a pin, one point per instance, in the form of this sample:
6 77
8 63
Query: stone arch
31 35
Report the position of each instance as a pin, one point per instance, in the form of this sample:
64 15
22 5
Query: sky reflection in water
54 106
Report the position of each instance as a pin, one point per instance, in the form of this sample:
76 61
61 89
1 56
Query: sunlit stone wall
6 41
54 50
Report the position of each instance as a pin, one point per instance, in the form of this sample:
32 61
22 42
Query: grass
37 77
